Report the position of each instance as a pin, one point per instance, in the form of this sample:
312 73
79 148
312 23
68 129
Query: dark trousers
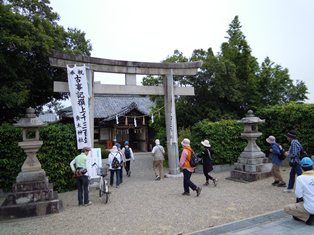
296 169
117 172
187 183
82 189
121 174
127 166
206 173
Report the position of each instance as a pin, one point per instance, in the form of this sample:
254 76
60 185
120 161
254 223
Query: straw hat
206 143
186 142
271 139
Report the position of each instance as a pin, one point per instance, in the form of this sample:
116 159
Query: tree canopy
28 34
231 82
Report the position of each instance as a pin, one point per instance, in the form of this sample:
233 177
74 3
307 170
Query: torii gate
131 69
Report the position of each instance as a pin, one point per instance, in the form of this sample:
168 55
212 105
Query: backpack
194 160
127 152
115 163
282 155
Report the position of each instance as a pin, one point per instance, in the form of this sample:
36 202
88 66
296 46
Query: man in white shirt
303 210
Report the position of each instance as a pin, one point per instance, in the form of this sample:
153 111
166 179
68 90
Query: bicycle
103 184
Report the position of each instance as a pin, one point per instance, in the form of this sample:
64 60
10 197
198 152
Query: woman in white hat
276 162
206 155
187 169
115 162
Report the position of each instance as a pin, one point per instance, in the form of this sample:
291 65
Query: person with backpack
276 151
187 169
115 162
128 154
294 162
158 153
206 156
123 161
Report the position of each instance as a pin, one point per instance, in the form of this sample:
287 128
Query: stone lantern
31 169
252 164
32 194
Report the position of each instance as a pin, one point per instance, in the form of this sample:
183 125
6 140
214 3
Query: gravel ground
144 206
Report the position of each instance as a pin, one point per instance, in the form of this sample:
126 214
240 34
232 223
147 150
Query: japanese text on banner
79 99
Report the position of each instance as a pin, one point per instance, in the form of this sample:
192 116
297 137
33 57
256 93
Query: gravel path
144 206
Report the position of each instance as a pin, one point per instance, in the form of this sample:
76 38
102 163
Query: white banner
79 99
94 156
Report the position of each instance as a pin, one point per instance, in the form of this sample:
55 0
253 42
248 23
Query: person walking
158 153
123 161
276 162
128 153
294 162
206 156
187 169
79 168
303 209
115 162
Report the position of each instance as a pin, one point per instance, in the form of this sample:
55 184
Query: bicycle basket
102 171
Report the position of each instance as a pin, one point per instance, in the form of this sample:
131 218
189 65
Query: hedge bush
224 137
11 155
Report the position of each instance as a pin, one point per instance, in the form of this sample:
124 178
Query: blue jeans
82 190
295 169
117 172
187 183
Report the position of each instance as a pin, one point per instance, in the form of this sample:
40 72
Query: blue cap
306 161
126 142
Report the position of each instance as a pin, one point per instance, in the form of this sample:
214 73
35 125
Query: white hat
185 142
114 149
271 139
206 143
157 141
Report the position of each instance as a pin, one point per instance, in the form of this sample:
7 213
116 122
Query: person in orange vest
187 169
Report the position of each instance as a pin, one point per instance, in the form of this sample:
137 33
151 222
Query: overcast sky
150 30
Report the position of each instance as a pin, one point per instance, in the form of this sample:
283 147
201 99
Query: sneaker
215 182
88 204
275 183
186 194
206 183
129 173
288 190
282 184
198 191
310 221
157 178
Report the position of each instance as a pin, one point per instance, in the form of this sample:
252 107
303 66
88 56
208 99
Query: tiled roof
108 106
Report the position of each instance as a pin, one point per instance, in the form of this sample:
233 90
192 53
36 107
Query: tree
28 34
276 87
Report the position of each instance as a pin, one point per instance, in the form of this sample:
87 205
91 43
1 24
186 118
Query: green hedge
224 137
11 155
279 119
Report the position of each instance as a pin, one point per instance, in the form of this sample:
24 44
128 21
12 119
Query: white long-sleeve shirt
305 188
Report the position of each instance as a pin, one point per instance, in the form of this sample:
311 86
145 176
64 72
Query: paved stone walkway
144 206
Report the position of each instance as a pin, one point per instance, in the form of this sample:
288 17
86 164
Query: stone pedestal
32 198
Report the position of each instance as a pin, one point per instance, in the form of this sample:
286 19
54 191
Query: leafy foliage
224 137
28 34
11 155
56 153
282 118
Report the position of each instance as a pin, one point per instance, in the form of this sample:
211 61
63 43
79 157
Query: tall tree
28 33
276 87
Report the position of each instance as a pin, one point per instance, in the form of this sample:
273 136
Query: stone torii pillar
131 69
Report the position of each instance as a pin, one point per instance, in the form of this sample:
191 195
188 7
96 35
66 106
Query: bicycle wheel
101 187
106 192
